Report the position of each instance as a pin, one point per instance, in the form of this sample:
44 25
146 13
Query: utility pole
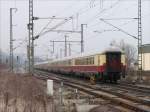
139 42
61 52
11 39
18 63
53 45
82 40
11 42
0 47
25 65
0 55
65 53
31 40
65 45
69 49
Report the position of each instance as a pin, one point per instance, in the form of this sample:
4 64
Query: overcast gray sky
84 12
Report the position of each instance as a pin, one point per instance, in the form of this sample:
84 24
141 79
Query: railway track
115 94
135 87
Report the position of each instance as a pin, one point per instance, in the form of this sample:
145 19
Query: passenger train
106 66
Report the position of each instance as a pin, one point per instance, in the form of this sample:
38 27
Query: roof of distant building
146 48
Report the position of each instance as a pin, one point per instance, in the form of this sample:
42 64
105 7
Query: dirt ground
104 108
25 93
22 93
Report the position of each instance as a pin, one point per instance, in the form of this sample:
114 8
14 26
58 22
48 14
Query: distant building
146 57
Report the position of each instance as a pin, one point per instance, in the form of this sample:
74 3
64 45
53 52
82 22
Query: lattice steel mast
139 41
31 42
82 38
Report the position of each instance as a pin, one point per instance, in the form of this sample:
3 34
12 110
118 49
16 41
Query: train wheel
103 80
111 80
115 79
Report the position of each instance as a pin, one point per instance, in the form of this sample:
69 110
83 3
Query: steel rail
127 102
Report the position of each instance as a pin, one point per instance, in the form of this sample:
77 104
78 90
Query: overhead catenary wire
55 18
72 22
132 19
46 26
113 18
82 11
54 27
15 2
111 7
98 23
102 11
119 29
118 18
111 30
78 13
21 44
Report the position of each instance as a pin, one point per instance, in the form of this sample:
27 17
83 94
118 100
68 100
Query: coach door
113 62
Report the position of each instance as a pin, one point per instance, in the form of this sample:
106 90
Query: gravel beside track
109 92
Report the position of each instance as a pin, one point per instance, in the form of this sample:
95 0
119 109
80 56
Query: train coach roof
41 63
110 49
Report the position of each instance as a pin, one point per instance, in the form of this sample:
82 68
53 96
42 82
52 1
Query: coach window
86 61
69 62
93 60
82 61
89 61
78 62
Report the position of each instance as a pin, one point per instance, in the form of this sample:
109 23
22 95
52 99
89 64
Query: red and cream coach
108 65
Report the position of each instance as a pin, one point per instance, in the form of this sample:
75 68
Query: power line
97 23
103 10
20 44
45 26
110 30
119 29
54 27
55 18
112 19
118 18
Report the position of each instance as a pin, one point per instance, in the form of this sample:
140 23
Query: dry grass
21 93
